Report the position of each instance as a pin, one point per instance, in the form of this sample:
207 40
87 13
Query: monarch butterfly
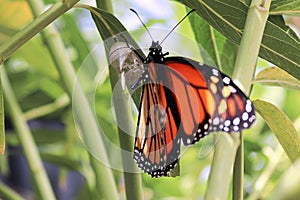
183 100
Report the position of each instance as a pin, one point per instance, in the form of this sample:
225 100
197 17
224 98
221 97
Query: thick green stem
238 173
250 44
242 75
221 170
34 27
244 70
86 120
26 140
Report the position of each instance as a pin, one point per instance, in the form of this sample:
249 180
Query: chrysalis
126 62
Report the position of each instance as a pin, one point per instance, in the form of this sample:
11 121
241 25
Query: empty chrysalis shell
126 62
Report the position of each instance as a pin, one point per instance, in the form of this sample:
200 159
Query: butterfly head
155 53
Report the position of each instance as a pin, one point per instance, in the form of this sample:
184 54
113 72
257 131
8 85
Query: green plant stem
238 172
250 44
2 128
224 156
26 140
7 193
244 70
132 177
34 27
86 120
221 169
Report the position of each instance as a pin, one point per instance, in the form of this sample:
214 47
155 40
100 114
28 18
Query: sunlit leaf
277 77
18 14
281 126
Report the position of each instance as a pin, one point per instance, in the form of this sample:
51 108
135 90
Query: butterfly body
183 100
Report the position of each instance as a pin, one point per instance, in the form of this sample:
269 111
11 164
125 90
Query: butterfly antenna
177 25
142 23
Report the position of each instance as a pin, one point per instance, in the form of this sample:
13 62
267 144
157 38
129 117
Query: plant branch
8 193
222 166
243 72
34 27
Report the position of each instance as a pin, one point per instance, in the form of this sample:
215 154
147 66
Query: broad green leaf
285 7
280 45
277 77
220 49
281 126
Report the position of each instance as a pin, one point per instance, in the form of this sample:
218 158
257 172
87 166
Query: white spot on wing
226 129
216 121
227 123
232 89
226 80
236 121
235 128
245 116
215 72
248 107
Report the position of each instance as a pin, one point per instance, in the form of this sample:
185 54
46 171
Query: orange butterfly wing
157 144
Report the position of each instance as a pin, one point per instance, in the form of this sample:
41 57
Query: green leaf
219 49
280 45
36 55
277 77
281 126
285 7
